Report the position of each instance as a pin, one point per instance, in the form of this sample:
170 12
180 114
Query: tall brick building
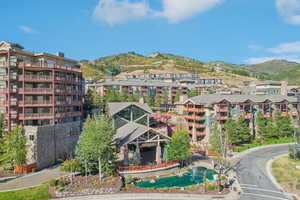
38 89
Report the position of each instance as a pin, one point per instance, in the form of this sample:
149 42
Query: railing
196 110
46 66
68 114
193 117
36 90
35 115
196 125
6 90
35 102
147 167
222 110
35 77
222 117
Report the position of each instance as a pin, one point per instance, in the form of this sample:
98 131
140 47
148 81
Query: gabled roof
115 107
211 99
131 131
8 45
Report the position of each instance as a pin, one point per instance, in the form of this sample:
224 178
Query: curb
240 155
272 178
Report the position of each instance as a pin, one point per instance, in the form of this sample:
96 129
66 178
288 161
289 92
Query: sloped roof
211 99
115 107
131 131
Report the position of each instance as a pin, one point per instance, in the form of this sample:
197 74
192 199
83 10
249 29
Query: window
31 137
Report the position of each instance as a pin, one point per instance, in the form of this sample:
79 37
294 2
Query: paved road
32 180
253 177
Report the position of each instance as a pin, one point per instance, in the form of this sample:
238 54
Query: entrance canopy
134 133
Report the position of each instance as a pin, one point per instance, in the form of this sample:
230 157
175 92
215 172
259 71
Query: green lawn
267 142
37 193
285 172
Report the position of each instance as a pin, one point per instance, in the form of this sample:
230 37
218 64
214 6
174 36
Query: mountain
273 67
131 62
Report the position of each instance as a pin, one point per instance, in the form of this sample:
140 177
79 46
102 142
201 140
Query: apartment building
39 89
180 78
266 88
143 87
202 112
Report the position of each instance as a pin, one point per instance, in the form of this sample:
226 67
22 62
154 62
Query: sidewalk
155 196
32 180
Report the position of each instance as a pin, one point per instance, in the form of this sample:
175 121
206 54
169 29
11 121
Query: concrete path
32 180
152 196
253 177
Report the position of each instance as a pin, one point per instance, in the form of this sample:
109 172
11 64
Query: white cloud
292 47
178 10
120 11
289 10
117 12
257 60
27 29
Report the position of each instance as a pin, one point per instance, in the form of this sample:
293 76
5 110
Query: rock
152 181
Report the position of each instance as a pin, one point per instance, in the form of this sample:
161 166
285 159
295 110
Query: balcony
36 103
28 116
46 66
193 117
36 90
7 90
190 124
222 110
194 110
221 118
68 114
39 78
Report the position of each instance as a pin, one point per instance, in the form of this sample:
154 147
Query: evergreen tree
13 148
179 147
177 96
157 101
166 97
2 125
193 93
148 100
265 126
97 142
216 141
93 99
284 125
238 131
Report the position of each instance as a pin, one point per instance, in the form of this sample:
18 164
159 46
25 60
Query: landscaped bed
288 176
81 185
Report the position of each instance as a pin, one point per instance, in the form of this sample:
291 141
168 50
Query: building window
31 137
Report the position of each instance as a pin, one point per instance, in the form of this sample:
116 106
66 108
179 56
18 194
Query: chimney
284 85
298 131
183 98
60 54
142 100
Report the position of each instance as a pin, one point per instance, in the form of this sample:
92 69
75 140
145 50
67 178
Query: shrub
212 187
293 153
58 182
72 165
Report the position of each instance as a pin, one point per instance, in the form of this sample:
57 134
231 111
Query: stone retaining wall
51 143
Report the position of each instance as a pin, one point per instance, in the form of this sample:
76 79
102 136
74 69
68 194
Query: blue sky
235 31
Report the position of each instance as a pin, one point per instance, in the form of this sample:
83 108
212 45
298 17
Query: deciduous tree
97 142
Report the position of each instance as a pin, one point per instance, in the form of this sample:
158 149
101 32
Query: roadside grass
263 143
36 193
286 174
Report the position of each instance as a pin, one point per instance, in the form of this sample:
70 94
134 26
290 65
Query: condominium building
143 87
39 88
202 112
